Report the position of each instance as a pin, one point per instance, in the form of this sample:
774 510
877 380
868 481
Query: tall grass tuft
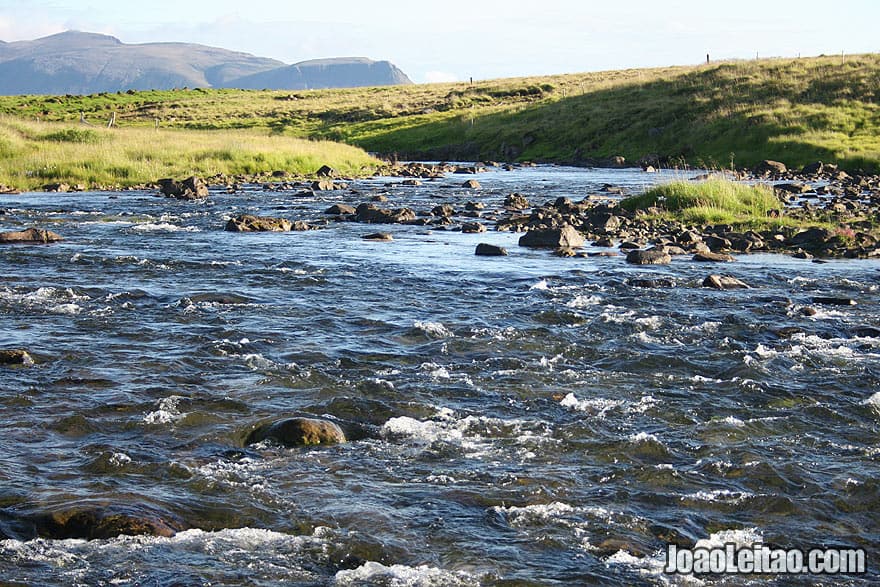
713 201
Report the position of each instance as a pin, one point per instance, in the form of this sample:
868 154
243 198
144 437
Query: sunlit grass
33 154
714 201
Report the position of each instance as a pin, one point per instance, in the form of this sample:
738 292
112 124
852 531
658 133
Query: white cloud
436 77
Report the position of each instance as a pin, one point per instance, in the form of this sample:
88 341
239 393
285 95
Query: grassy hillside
792 110
33 154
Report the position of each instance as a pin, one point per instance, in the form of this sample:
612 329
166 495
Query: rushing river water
537 420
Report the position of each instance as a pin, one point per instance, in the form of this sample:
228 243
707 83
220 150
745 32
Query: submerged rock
552 238
30 236
93 522
298 432
378 236
15 357
249 223
724 282
648 257
487 250
833 301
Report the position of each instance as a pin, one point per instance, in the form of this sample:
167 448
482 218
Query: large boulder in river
191 188
298 432
724 282
249 223
552 238
30 236
487 250
648 257
372 214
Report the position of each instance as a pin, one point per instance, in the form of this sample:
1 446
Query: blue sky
456 39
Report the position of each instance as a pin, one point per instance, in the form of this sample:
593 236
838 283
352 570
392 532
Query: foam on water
163 227
168 411
601 407
373 573
433 329
477 436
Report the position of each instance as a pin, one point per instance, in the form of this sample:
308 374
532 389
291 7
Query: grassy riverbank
33 154
718 115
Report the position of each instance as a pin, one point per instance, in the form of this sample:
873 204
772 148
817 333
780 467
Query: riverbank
721 115
43 156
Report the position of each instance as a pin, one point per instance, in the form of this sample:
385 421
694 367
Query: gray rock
710 257
30 236
552 238
298 432
378 236
339 210
473 227
487 250
648 257
249 223
724 282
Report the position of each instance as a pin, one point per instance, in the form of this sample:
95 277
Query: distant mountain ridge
76 62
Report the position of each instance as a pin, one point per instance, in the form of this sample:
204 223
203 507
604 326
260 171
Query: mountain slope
87 63
325 73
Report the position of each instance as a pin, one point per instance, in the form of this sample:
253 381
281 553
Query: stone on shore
648 257
249 223
487 250
326 171
30 236
15 357
298 432
768 167
724 282
552 238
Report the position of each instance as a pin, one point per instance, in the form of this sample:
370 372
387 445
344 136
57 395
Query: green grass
36 153
731 113
708 201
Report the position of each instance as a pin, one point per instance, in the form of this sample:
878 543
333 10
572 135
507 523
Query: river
536 420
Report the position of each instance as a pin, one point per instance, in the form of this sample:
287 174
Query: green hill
718 115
